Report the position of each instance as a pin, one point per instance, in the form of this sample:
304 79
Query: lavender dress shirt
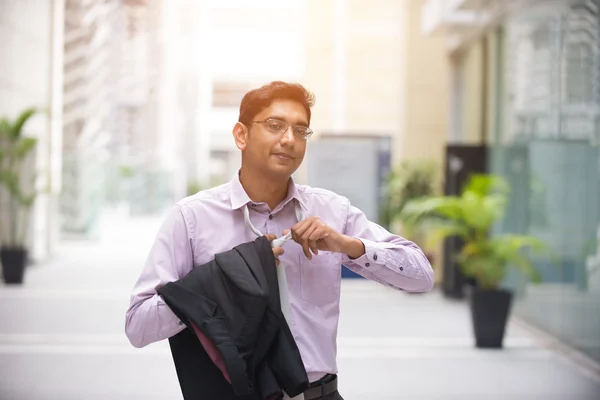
211 221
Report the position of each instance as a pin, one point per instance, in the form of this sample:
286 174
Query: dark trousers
333 396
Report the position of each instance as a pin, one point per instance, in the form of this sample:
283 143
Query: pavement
62 338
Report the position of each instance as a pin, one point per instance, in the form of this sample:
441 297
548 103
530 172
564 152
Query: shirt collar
239 197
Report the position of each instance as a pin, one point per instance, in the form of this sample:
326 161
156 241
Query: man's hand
277 251
314 235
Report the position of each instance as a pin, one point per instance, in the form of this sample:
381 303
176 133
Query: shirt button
367 265
270 216
401 268
375 256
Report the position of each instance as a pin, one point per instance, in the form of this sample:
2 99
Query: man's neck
264 190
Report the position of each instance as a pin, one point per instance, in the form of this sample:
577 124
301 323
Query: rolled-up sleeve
148 318
389 259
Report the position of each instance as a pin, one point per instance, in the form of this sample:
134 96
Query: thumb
270 237
285 232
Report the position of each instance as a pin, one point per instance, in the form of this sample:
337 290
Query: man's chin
282 171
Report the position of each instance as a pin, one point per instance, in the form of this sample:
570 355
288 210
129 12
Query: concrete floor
61 338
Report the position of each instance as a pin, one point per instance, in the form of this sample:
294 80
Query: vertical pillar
55 143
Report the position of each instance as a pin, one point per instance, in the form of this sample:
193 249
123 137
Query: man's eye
275 125
300 130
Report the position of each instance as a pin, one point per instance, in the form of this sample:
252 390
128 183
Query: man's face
272 153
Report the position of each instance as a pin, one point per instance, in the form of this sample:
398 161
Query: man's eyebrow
278 118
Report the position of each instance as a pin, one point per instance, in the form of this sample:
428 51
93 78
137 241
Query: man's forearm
151 321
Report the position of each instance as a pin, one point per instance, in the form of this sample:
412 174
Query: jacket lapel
231 264
252 254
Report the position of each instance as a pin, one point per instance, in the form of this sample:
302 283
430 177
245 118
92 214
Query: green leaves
24 146
480 211
440 206
411 180
471 217
15 147
5 126
16 128
483 184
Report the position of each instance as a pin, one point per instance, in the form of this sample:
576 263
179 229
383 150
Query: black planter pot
489 312
13 264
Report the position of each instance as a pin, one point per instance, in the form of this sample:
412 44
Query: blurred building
150 91
218 51
31 76
140 175
375 74
367 63
96 67
87 105
381 95
112 133
526 104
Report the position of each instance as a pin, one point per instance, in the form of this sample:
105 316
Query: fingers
297 234
319 233
270 237
318 237
298 229
277 251
309 240
307 233
311 234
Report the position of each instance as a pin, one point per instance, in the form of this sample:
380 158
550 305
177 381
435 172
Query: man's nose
288 136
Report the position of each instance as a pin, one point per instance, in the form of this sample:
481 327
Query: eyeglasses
279 127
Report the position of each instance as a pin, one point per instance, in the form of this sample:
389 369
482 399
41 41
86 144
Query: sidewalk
61 338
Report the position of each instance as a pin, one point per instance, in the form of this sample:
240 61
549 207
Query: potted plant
484 257
411 180
14 150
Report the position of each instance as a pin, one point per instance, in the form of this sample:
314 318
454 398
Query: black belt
323 387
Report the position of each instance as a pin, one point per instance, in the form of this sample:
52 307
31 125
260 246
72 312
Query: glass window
548 111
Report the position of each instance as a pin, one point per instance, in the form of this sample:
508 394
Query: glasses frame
306 136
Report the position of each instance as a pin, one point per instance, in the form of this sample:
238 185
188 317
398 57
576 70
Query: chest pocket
320 278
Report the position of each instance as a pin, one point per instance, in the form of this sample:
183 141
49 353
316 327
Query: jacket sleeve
148 318
286 363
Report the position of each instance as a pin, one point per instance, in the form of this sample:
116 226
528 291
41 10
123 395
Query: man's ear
240 135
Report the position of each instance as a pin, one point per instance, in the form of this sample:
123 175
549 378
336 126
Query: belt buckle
322 387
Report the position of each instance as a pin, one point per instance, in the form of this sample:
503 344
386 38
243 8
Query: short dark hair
257 100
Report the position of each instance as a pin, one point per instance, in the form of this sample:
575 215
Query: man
272 135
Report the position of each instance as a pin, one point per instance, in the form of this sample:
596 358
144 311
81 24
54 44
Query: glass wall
546 143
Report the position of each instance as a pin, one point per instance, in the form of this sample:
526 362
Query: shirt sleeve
389 259
148 318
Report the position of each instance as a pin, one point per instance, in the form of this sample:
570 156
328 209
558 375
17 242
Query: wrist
352 247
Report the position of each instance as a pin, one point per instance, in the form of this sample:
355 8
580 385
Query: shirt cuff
374 257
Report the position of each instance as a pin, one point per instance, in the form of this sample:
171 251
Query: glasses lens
276 126
302 131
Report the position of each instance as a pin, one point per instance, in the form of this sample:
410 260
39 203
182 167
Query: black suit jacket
234 300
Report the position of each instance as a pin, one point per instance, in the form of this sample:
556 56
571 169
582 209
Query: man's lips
284 155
